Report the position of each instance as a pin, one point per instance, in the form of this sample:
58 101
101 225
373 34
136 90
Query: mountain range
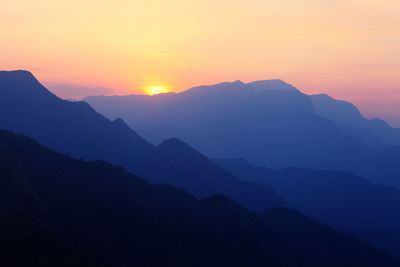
58 211
343 200
76 129
268 123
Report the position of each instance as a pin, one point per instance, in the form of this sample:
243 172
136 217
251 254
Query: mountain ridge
348 202
271 128
96 214
76 129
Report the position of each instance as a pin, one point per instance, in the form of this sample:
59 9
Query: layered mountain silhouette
174 162
270 127
74 128
343 200
71 127
293 131
268 123
277 85
374 132
59 211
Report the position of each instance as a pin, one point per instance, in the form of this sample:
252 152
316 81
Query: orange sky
347 48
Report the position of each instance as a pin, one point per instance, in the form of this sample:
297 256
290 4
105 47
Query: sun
155 90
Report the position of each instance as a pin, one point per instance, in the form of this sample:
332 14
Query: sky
349 49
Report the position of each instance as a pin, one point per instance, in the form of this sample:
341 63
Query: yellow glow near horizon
155 90
346 48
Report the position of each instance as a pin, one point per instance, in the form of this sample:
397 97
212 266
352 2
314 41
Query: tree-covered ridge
57 210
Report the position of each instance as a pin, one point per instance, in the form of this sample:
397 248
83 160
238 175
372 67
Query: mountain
383 168
277 85
59 211
174 162
343 200
266 122
76 129
374 132
73 128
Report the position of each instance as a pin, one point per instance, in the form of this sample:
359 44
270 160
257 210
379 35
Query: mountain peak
120 122
323 96
176 145
22 84
218 88
238 82
17 73
275 84
17 77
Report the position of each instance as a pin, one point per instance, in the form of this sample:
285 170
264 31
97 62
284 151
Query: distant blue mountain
74 128
267 123
267 126
59 211
345 201
374 132
277 85
174 162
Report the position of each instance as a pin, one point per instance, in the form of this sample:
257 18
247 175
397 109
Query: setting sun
155 90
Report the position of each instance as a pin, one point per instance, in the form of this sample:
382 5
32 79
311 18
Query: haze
348 49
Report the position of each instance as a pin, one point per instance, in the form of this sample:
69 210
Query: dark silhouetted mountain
260 122
58 211
384 168
342 200
174 162
374 132
76 129
73 128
